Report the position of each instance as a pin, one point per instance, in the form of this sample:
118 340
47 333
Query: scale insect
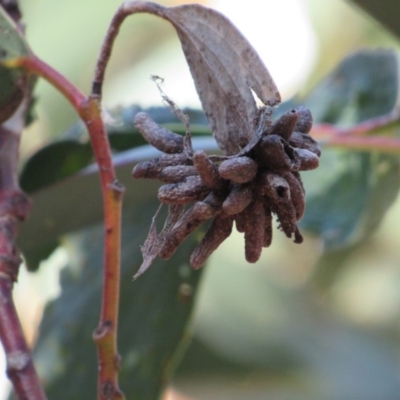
258 175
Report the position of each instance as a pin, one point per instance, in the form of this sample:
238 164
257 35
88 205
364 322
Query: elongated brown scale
284 126
268 227
238 170
159 137
219 230
190 221
304 141
169 160
152 169
298 237
176 173
274 153
254 230
238 199
191 189
147 169
305 121
308 159
207 170
297 175
296 194
276 191
240 221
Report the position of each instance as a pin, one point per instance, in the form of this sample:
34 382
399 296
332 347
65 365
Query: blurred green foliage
285 328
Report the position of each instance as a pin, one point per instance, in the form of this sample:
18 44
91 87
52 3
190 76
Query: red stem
126 9
14 207
105 335
356 138
382 144
20 368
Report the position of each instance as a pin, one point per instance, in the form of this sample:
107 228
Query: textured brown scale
220 229
238 169
308 159
285 124
303 141
207 171
268 226
159 137
176 173
189 190
274 153
254 230
152 169
305 120
238 199
190 221
296 193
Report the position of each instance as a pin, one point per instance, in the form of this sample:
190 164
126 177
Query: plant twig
105 335
382 144
14 207
126 9
360 136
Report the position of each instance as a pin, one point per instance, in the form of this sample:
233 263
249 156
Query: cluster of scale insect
245 189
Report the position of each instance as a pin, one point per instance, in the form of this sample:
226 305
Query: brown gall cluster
248 188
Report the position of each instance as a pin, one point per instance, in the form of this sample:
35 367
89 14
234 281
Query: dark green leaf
154 314
351 191
363 86
54 163
385 11
12 44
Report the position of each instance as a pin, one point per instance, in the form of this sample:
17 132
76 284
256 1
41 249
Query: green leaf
362 86
351 191
12 43
154 314
54 163
13 82
385 11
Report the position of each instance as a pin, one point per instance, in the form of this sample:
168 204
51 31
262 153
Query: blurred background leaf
351 191
154 311
386 12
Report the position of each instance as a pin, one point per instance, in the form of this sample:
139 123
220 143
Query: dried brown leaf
155 241
225 69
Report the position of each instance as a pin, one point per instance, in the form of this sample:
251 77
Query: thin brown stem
20 368
105 335
126 9
380 144
322 131
360 136
14 207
